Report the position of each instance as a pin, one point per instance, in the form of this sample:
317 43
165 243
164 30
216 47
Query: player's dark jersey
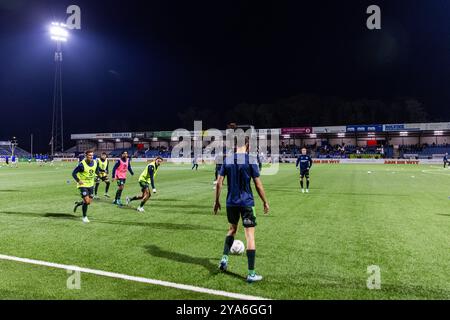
239 170
81 157
445 158
305 162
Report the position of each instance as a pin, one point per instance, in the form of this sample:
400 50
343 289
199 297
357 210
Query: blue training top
240 171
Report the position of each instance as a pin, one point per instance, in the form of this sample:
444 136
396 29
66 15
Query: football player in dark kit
240 170
305 162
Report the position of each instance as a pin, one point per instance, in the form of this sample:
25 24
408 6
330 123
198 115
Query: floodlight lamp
58 32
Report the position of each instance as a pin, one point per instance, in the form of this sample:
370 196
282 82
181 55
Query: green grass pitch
311 246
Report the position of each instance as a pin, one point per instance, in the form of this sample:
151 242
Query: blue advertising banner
365 128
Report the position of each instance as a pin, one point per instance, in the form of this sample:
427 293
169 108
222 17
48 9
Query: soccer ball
238 247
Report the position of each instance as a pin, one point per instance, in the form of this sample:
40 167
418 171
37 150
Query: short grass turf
311 246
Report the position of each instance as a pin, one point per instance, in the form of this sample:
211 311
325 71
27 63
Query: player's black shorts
144 186
304 173
121 182
246 213
104 179
85 192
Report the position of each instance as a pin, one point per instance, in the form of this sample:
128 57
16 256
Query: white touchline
132 278
441 172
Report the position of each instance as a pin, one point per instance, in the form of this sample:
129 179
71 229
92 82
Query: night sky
135 64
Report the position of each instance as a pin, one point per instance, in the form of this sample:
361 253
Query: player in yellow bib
85 174
103 171
146 179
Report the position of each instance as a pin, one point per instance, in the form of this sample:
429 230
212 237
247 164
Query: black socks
228 243
85 208
251 255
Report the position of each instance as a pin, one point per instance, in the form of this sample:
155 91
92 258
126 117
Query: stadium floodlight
313 136
439 133
58 32
403 133
341 135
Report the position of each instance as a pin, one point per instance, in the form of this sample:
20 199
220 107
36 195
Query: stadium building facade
375 141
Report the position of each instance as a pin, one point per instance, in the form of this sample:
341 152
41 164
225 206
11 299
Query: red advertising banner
296 130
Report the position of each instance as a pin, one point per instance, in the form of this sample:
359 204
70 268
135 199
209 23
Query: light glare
58 32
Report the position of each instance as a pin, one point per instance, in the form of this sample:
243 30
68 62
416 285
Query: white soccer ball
238 247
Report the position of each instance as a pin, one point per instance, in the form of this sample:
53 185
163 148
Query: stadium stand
6 151
424 151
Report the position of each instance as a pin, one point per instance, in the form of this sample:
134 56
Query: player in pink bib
119 173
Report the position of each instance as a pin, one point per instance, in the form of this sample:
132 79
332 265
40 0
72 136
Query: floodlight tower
59 34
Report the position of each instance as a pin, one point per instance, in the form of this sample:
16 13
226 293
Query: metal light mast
59 33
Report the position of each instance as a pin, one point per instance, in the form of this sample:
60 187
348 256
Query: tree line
310 110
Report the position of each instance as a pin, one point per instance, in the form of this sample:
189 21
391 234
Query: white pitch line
133 278
441 172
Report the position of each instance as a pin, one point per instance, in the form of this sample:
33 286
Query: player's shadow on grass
207 263
204 211
43 215
152 225
165 200
61 216
155 225
172 209
443 214
192 206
